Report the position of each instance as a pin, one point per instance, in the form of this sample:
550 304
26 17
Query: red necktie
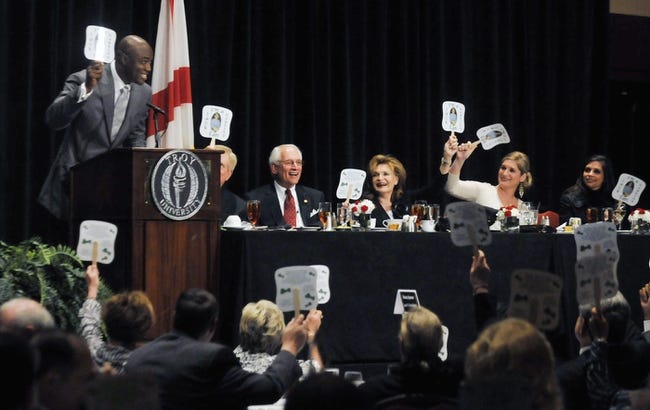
290 209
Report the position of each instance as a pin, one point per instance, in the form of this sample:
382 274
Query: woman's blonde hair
261 327
420 337
523 163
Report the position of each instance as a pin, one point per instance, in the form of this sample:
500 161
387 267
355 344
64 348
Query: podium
153 253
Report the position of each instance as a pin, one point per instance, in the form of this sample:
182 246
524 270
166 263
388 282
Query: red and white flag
170 83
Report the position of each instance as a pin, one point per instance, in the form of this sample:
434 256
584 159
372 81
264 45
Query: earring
521 190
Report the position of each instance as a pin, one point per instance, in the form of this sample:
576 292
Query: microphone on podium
156 109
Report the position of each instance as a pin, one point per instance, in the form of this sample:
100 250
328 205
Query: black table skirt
367 269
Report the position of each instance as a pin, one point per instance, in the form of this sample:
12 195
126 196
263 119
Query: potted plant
51 275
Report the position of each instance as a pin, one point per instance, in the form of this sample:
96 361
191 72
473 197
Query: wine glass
419 210
253 211
324 211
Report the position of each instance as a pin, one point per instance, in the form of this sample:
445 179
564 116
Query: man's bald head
25 315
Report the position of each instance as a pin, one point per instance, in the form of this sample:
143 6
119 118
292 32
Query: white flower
640 214
365 206
507 211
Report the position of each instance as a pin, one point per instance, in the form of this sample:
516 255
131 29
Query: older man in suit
100 108
284 202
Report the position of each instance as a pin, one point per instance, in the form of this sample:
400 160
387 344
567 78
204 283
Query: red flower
364 208
508 213
640 211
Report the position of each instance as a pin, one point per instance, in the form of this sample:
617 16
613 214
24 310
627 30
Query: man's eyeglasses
291 162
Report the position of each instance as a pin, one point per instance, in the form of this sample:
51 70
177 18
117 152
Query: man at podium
100 108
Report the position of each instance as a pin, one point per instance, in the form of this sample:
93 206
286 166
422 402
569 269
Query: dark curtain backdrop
343 80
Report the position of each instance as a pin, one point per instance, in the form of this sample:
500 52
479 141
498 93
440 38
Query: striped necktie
290 209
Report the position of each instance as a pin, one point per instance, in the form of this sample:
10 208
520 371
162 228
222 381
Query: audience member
514 348
284 201
627 363
194 373
64 369
25 315
421 371
593 189
604 393
514 177
260 334
326 391
387 185
479 278
89 108
127 317
231 204
19 361
133 391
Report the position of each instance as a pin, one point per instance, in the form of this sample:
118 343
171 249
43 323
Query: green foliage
51 275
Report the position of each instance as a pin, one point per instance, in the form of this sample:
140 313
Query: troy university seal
179 184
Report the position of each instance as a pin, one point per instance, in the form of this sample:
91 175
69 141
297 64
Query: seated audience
284 201
194 373
626 362
513 177
231 204
387 185
260 335
326 391
513 348
127 317
25 315
593 189
19 361
421 371
64 369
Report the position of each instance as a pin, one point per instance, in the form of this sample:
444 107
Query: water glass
342 215
324 211
253 211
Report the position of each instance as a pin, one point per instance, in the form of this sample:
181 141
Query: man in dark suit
285 163
86 109
194 373
231 203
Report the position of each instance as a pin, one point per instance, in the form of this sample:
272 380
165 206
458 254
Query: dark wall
346 80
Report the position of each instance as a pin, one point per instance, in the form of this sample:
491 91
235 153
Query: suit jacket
271 213
232 204
87 131
203 375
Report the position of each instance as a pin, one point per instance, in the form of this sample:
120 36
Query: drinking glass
253 211
592 215
434 212
324 211
619 215
419 210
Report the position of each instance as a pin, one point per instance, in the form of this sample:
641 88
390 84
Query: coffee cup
428 225
392 224
232 221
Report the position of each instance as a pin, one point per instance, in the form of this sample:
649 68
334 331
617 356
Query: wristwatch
443 161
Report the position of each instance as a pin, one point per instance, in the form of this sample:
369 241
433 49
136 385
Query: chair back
553 218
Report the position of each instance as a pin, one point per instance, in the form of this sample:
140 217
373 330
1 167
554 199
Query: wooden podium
153 253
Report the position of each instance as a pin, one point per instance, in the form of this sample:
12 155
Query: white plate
308 228
233 228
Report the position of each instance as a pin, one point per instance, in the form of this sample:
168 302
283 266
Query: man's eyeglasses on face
291 162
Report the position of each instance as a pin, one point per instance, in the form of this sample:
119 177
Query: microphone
156 109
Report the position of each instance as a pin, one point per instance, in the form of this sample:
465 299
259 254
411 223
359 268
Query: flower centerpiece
508 217
362 210
640 220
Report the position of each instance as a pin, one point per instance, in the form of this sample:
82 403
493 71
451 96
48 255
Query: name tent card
405 299
97 241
